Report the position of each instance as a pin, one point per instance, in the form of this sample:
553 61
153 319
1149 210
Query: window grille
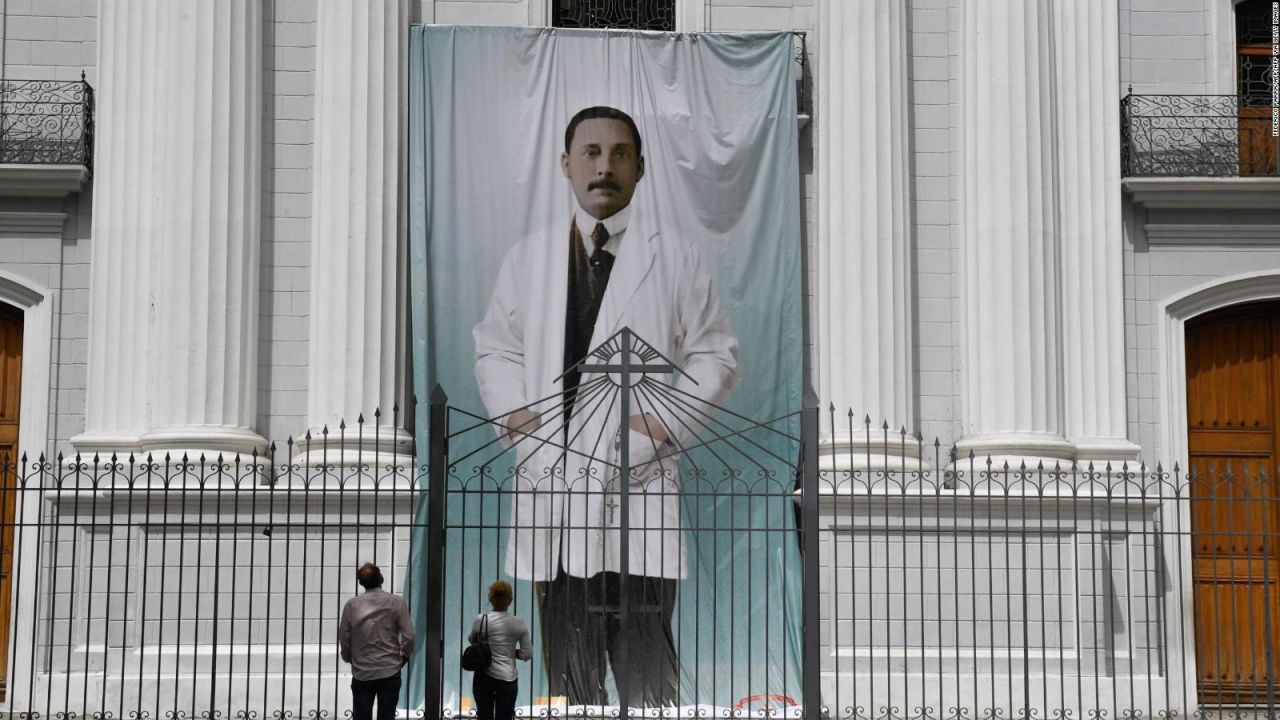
621 14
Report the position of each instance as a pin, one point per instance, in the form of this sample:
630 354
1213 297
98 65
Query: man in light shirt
560 293
375 635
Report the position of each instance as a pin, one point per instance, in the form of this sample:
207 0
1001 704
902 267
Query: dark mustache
605 184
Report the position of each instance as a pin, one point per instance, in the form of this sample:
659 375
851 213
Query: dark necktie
601 259
599 236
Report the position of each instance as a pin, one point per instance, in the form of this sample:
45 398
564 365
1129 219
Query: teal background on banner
717 115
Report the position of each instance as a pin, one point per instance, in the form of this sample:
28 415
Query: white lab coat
659 288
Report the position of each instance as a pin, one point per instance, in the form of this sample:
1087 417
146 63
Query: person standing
507 636
375 636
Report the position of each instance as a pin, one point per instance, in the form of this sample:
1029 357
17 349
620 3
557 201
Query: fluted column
1087 57
357 291
204 336
1011 362
864 230
128 121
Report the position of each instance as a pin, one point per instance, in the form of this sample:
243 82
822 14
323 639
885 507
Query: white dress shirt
616 224
375 634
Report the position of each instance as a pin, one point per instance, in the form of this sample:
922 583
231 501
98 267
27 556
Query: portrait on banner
592 200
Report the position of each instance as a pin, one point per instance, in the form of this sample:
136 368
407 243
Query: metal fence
1196 136
45 122
692 592
945 586
153 587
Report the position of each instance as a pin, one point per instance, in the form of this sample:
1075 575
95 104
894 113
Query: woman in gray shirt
507 636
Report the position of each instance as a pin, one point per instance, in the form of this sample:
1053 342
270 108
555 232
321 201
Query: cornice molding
27 224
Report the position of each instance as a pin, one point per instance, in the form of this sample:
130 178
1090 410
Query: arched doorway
1233 422
11 319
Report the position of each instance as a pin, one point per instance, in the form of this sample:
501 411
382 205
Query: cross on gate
624 368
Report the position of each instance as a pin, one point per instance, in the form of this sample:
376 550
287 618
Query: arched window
1253 86
628 14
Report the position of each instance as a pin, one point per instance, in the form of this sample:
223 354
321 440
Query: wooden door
1233 381
1258 149
10 397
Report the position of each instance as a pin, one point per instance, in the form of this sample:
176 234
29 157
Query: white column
205 268
357 287
128 121
1011 358
864 230
691 16
1087 59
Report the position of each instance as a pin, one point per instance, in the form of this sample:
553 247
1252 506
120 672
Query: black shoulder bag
477 656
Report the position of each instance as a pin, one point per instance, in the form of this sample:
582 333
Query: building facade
1042 232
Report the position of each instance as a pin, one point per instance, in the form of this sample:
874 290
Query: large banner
567 185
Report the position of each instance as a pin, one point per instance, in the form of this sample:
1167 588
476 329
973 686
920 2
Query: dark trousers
582 624
385 690
495 699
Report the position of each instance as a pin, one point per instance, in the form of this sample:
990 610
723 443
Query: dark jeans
582 625
495 699
385 690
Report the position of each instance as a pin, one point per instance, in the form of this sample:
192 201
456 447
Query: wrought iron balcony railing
1196 136
46 122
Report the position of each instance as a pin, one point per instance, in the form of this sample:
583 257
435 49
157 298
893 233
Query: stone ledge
21 180
1198 192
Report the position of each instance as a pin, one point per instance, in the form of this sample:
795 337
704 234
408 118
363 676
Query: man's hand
650 425
522 421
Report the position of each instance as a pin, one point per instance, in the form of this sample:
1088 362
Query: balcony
1200 152
1196 136
46 136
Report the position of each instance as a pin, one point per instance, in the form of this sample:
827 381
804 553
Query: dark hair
608 113
500 595
369 576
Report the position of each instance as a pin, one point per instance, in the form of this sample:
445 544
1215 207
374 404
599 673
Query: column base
1015 450
381 447
104 444
1100 451
207 441
858 466
842 454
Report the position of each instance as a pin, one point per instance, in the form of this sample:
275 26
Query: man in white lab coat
560 294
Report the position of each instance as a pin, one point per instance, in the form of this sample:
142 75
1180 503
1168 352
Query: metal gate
676 592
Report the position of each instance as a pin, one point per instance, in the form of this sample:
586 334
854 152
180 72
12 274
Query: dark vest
588 278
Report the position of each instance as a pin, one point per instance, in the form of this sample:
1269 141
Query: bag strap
484 626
